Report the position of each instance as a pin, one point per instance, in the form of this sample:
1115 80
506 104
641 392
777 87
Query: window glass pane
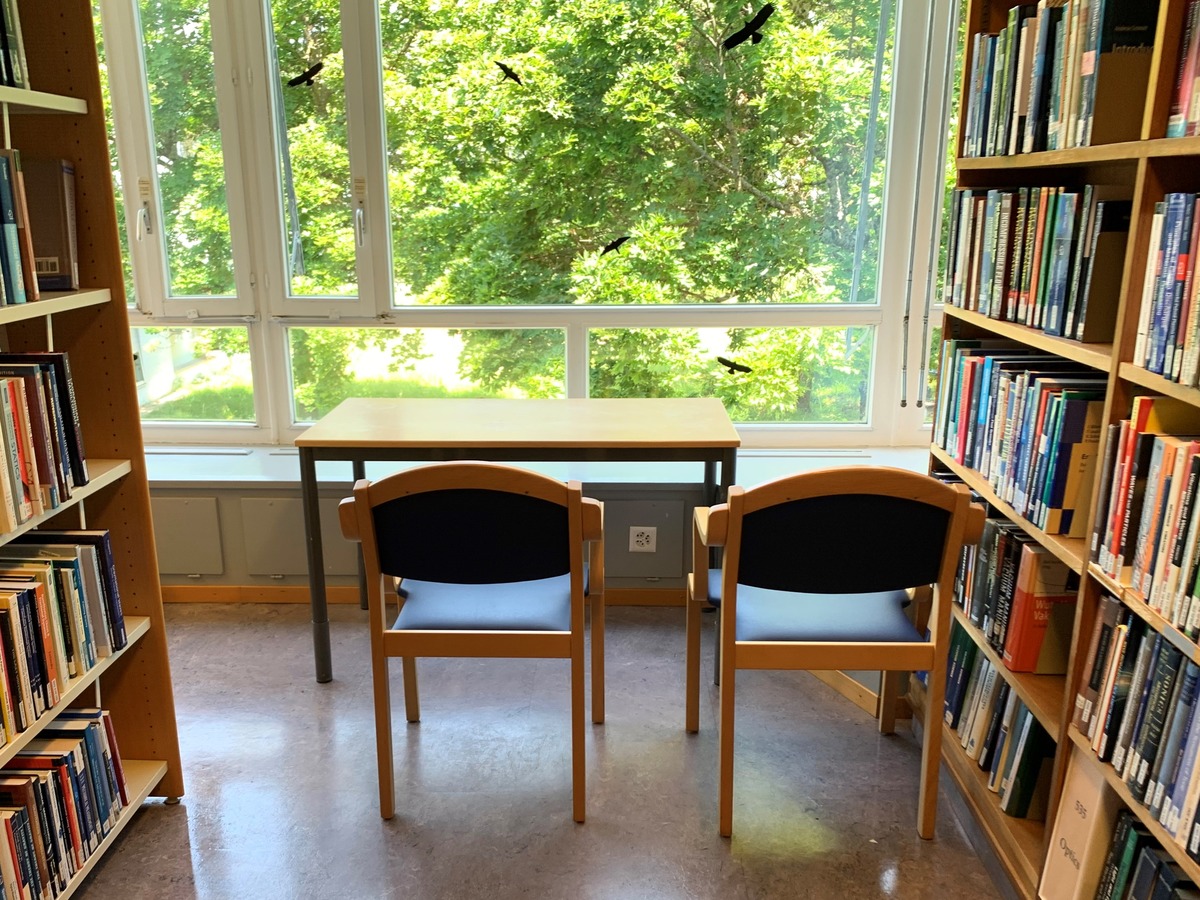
330 364
796 375
314 164
752 174
187 142
194 374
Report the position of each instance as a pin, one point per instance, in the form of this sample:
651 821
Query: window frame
241 31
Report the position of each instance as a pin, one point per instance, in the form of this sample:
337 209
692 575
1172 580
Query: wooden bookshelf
91 324
1150 166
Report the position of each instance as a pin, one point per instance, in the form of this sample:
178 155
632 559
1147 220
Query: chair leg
890 684
692 667
931 750
383 736
578 756
412 701
725 746
598 658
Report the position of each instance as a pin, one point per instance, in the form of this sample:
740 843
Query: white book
1148 285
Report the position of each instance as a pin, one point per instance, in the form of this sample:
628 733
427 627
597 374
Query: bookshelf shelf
1159 385
1097 356
21 101
1124 153
1071 551
54 303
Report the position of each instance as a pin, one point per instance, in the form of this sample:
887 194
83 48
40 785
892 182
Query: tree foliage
737 175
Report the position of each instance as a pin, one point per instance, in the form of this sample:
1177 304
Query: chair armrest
710 524
974 530
593 519
348 519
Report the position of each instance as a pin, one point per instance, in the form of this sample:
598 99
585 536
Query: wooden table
360 430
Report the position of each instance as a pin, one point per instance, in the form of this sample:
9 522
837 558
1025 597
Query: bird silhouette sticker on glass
614 244
751 30
509 73
732 366
306 77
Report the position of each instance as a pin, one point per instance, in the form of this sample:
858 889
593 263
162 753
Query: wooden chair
817 572
488 561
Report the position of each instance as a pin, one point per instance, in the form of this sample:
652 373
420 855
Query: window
483 198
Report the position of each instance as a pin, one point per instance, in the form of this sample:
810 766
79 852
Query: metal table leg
316 566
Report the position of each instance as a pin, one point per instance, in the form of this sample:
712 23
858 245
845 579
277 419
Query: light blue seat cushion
766 615
541 605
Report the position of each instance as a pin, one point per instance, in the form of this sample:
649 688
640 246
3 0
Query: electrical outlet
643 538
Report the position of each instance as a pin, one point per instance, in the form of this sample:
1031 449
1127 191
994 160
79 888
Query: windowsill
279 467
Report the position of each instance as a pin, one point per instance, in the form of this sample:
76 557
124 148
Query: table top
578 423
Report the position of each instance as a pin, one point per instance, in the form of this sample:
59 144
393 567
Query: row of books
1168 329
1028 422
1047 257
1020 596
997 730
1136 707
1184 117
1060 74
60 614
60 796
1146 529
1100 849
42 459
38 241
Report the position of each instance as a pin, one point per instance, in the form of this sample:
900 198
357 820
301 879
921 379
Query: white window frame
241 38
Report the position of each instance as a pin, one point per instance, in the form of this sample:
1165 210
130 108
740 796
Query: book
1112 859
52 220
1147 738
1137 644
1135 706
1102 631
10 237
1117 653
1122 71
24 231
1179 721
1081 834
1099 292
1042 614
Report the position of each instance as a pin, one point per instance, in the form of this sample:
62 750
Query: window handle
144 225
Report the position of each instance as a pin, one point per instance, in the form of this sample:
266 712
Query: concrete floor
282 800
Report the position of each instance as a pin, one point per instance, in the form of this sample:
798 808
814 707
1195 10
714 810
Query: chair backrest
847 530
472 523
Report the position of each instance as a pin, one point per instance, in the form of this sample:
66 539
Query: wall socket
643 538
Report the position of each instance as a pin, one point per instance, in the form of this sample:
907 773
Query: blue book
10 238
1060 262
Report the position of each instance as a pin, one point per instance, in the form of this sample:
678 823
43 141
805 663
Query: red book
1036 640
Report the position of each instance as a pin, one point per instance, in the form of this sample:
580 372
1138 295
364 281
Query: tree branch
773 202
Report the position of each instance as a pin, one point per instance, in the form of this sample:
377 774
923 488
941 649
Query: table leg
360 471
316 566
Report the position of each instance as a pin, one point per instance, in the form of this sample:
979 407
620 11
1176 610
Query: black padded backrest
472 536
843 544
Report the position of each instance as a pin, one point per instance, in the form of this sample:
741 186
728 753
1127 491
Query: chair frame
585 524
720 526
